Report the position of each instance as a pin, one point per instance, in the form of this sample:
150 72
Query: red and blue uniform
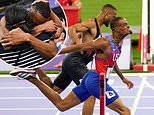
105 66
90 83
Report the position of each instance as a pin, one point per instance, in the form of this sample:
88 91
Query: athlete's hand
128 83
14 37
48 26
59 65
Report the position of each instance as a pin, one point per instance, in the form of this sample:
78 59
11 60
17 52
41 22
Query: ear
106 16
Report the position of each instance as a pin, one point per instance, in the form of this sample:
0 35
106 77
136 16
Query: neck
116 38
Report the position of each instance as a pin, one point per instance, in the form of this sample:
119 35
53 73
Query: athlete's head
17 16
120 26
109 12
40 12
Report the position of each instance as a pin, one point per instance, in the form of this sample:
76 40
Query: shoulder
89 21
101 43
103 40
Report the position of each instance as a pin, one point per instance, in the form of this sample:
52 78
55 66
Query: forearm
55 19
73 35
78 47
38 32
117 70
47 50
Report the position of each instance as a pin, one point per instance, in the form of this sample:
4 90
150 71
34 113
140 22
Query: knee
61 107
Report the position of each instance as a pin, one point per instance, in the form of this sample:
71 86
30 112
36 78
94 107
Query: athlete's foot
23 73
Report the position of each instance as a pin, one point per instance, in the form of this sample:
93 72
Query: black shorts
74 67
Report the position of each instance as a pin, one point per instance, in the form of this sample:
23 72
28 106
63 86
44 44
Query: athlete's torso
103 64
89 35
86 56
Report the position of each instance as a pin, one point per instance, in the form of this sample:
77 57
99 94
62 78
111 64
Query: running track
19 97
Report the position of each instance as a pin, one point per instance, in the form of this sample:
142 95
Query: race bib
110 94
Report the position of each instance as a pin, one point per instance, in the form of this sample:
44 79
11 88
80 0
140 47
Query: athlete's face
123 27
109 17
37 17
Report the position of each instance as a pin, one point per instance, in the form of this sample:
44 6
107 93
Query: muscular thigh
75 66
117 105
111 94
62 81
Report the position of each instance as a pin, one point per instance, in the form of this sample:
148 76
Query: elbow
53 54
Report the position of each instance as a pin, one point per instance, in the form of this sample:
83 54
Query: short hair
17 16
109 6
43 8
114 22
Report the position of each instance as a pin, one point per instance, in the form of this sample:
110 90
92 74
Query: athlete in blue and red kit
108 50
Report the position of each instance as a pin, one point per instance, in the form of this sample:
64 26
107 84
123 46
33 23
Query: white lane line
70 87
123 86
2 88
21 98
112 75
149 85
138 96
132 97
146 108
58 112
97 104
138 108
31 109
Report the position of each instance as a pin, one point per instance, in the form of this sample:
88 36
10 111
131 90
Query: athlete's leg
69 72
92 85
62 104
61 82
88 106
74 68
119 107
43 77
114 102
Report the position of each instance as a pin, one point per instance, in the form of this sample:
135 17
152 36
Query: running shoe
23 73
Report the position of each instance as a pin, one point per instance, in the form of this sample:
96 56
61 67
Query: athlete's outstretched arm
124 79
98 44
